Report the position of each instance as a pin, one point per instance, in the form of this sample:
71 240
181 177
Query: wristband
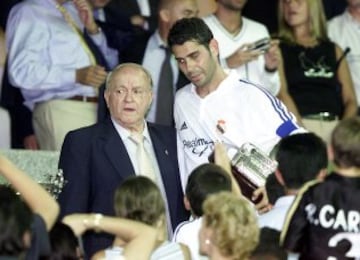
95 223
270 70
97 218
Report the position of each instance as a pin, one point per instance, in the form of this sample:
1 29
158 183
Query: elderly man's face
128 97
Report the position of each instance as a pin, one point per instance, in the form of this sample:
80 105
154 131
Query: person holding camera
245 45
317 75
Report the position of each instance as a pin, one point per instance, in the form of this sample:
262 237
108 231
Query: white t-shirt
275 218
246 112
345 31
251 31
166 251
187 233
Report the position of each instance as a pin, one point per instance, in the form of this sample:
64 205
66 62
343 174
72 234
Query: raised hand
242 56
86 15
272 56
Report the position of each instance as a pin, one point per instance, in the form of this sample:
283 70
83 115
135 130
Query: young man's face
197 62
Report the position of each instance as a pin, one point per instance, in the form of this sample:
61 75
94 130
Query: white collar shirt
44 52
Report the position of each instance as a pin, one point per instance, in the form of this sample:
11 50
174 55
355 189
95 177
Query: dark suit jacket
95 161
117 28
130 8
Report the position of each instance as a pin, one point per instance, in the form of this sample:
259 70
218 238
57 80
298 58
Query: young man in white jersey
217 106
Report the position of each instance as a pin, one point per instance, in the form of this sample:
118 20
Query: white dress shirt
131 148
45 52
251 31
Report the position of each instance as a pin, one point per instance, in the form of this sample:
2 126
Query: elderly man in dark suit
151 51
96 159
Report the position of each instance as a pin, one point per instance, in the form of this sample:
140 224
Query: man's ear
214 47
164 15
187 203
279 177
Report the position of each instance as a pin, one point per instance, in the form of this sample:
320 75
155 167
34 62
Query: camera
260 45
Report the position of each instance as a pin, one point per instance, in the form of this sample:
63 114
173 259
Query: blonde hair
317 21
346 143
234 224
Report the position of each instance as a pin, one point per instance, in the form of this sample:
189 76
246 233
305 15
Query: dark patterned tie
165 93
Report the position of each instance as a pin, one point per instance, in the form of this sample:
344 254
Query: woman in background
317 75
229 227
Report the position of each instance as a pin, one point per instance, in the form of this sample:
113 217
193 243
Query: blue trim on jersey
286 128
275 102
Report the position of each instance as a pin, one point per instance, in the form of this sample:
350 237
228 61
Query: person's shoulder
28 13
186 228
31 7
336 20
249 86
183 92
254 24
87 129
209 18
23 9
86 133
168 250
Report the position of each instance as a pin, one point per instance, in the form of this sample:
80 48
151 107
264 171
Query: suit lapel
161 151
164 160
116 152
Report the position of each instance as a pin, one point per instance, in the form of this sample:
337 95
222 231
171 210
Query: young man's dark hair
268 247
190 29
15 222
301 157
205 180
64 243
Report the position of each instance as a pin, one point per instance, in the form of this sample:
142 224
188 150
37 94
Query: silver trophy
251 167
41 166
